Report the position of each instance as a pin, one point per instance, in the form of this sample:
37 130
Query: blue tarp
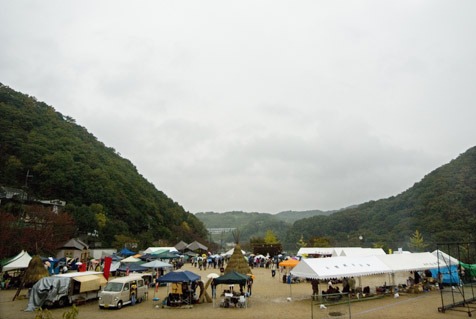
126 252
115 257
448 277
179 276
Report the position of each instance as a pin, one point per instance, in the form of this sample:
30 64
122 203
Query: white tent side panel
304 270
21 261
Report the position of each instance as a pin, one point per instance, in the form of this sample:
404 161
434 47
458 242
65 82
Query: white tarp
410 262
114 266
337 267
20 261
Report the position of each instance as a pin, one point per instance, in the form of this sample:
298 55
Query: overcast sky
257 105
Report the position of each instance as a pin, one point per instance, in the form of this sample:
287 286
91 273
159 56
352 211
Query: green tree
301 242
416 241
270 238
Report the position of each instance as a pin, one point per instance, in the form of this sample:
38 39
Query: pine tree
416 241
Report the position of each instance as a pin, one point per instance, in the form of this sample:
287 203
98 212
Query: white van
118 292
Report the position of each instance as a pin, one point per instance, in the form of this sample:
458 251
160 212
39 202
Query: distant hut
197 247
237 261
35 271
181 246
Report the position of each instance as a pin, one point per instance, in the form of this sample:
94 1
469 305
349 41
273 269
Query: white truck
65 289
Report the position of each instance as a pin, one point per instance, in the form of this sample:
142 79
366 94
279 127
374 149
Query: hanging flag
127 272
107 267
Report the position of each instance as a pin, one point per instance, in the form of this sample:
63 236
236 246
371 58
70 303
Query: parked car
120 291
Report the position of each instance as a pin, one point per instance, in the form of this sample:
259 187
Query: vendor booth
182 286
231 297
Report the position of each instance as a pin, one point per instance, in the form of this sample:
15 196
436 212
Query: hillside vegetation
103 191
442 207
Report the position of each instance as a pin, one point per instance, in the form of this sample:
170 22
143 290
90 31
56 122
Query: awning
91 282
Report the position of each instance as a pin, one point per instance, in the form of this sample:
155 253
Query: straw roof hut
238 262
35 271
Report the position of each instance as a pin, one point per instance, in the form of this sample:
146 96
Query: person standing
250 284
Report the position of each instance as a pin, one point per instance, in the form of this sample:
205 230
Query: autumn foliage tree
38 230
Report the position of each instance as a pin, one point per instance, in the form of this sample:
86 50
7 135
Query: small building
75 249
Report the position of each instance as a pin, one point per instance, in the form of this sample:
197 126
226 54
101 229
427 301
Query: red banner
127 272
107 267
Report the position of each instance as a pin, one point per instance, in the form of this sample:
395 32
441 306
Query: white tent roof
445 259
337 267
315 251
20 261
156 264
130 259
152 250
410 262
360 252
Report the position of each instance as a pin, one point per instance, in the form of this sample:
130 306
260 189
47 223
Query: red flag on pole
156 280
107 267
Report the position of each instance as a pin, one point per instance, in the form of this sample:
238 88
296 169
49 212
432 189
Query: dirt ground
269 299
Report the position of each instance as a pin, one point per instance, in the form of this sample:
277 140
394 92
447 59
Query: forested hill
442 206
255 224
70 164
292 216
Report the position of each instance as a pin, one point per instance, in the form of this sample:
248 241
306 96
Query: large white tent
325 251
20 261
445 259
410 262
338 267
361 252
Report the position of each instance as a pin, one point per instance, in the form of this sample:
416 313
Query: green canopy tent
167 255
232 277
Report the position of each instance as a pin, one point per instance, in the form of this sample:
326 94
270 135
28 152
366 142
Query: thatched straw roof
238 262
35 271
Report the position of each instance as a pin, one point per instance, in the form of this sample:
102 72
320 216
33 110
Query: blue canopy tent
132 268
114 257
179 276
184 296
126 252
